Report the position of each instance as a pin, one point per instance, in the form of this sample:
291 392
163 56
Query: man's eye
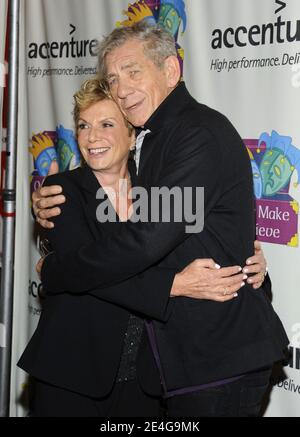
134 72
112 81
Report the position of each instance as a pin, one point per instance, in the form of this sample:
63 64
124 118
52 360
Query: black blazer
190 145
79 339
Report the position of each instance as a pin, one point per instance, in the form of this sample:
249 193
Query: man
214 359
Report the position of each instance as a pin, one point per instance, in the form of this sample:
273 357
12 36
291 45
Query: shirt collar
140 138
169 109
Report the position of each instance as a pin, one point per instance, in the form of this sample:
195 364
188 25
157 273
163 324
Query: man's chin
137 121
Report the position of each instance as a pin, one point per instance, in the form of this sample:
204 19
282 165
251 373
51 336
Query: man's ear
172 69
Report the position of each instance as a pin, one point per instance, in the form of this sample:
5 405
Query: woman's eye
82 126
107 124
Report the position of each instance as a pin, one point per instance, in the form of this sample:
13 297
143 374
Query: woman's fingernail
245 277
217 266
248 261
242 284
235 295
246 270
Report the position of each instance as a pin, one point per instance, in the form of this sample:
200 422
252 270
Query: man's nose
124 88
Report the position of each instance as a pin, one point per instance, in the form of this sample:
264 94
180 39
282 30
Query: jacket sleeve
267 285
147 293
111 259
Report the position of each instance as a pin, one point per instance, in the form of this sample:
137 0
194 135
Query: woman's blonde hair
92 91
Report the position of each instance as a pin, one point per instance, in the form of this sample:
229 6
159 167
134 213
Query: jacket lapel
89 187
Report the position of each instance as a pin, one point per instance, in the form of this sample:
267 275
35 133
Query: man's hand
45 200
257 266
204 279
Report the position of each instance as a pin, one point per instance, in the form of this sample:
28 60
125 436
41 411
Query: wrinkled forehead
131 51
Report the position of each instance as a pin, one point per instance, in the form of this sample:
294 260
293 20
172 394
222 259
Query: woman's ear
172 70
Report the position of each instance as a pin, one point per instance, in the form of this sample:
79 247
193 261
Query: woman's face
103 136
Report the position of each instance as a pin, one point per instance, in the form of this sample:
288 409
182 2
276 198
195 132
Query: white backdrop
237 80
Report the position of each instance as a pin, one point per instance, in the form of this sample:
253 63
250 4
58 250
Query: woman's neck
111 178
117 185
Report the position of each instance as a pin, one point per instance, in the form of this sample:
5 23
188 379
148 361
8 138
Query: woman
83 345
88 356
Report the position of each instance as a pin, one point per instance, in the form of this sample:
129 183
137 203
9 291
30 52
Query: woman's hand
204 279
257 266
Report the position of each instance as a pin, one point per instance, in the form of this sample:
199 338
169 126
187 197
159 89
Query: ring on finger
262 277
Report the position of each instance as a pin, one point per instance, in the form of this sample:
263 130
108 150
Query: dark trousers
242 398
126 400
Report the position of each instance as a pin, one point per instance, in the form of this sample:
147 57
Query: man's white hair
158 43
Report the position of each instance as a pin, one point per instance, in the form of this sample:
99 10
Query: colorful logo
47 146
167 13
274 159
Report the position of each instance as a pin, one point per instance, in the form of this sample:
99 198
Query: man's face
136 83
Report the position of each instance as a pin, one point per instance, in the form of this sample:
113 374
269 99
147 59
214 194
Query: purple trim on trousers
152 339
185 390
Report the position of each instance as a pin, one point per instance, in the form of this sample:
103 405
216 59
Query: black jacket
79 338
190 145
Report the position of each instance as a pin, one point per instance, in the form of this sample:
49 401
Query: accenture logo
71 48
294 358
280 31
294 348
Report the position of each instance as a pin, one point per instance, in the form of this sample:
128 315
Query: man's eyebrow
110 75
124 67
129 65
